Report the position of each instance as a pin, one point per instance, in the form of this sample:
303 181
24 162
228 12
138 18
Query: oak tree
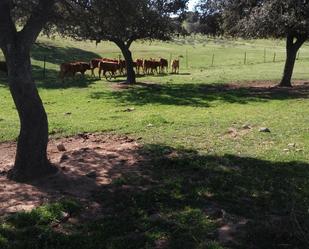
21 22
288 19
125 21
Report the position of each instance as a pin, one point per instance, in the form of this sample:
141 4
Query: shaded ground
202 95
155 196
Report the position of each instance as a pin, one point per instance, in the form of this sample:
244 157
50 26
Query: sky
192 3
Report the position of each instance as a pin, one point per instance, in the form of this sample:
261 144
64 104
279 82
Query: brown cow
139 66
151 66
108 67
122 67
175 66
94 63
72 68
3 67
163 65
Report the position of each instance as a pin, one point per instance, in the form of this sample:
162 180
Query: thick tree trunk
31 160
125 49
291 53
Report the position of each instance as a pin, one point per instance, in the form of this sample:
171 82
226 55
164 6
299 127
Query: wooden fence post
274 59
213 60
264 55
187 62
245 59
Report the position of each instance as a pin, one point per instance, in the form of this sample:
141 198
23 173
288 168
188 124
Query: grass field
190 112
182 112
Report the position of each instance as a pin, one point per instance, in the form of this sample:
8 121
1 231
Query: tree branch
38 19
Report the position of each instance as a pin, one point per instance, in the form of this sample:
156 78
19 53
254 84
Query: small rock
61 147
150 125
64 216
231 130
292 145
246 127
264 129
92 174
129 109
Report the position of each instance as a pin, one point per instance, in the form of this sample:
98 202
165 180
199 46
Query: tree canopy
124 21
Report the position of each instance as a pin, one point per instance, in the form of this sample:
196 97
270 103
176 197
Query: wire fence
190 58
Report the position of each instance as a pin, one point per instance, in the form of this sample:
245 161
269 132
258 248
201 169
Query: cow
151 66
94 63
175 66
139 65
108 67
3 67
122 67
163 65
72 68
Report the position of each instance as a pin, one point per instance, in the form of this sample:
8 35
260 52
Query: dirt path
89 162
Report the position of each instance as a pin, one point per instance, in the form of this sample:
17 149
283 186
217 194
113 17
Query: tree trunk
31 160
291 53
125 49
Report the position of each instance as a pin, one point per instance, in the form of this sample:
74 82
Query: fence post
245 59
298 56
187 62
213 60
44 67
264 55
274 59
171 57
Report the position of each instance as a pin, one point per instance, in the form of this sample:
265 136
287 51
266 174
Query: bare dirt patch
89 162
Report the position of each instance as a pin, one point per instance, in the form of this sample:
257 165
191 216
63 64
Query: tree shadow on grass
201 95
173 198
52 80
58 55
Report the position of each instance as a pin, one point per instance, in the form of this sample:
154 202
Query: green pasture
262 177
180 110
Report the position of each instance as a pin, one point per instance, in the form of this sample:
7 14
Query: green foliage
44 215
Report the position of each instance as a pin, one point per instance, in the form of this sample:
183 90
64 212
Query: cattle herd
110 68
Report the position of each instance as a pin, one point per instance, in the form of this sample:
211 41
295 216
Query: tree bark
291 53
125 49
31 160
